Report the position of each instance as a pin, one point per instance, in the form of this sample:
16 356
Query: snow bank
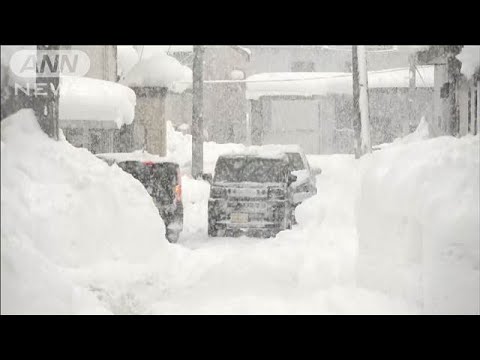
161 70
418 223
322 83
306 270
470 58
179 147
62 208
84 98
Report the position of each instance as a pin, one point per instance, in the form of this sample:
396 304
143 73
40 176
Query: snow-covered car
305 185
162 180
250 194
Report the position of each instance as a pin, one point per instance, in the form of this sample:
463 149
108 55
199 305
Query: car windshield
295 162
248 169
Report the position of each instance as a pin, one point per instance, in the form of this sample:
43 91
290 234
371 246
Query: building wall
225 104
103 61
224 112
220 61
283 59
149 124
323 124
178 108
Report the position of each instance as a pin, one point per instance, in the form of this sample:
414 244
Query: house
224 103
315 109
455 90
94 132
91 112
91 108
154 76
321 58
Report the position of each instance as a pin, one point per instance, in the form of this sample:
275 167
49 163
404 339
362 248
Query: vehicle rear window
246 169
158 178
295 162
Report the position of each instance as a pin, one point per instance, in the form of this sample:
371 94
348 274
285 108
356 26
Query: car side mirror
208 178
316 171
291 179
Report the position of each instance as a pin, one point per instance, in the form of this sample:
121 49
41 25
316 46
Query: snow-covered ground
81 237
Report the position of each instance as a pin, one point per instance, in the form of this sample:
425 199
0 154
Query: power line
344 75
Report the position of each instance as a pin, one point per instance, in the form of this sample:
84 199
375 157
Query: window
303 66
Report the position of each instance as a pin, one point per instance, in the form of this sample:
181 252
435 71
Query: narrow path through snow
309 269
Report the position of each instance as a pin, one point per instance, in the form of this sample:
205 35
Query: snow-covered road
82 237
309 269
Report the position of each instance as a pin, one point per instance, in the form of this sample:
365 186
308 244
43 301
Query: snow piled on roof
256 152
147 51
83 98
247 50
470 58
160 70
323 83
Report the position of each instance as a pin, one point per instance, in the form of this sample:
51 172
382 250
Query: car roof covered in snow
272 151
259 155
139 155
290 148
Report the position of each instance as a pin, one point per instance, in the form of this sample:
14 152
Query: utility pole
47 99
197 112
411 94
357 124
363 100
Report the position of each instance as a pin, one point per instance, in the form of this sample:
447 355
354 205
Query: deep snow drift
64 208
79 236
418 222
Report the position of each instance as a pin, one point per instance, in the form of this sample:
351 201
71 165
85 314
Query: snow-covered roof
247 50
84 98
322 83
146 51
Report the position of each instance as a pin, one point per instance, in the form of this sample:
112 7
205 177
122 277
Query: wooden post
411 95
197 112
366 146
477 120
356 119
46 99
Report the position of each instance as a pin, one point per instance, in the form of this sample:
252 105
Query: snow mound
422 132
64 208
418 218
159 70
179 147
